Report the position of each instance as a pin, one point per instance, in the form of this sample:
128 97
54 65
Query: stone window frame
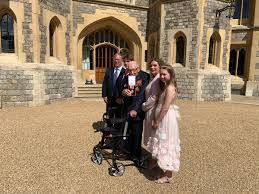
216 52
8 11
58 48
176 37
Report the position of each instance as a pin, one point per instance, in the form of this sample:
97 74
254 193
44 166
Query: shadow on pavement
98 125
150 174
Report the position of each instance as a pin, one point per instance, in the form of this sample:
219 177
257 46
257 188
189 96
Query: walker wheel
117 169
97 157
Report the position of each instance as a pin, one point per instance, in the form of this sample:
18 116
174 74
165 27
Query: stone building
48 49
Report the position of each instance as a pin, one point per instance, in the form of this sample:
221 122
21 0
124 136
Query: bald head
133 67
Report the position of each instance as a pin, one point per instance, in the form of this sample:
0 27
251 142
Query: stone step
237 86
90 86
90 91
89 96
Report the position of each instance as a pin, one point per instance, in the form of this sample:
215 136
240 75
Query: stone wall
202 85
27 31
215 87
16 88
35 84
80 8
181 15
27 43
61 7
143 3
58 84
220 23
256 78
256 90
239 36
152 1
186 83
154 19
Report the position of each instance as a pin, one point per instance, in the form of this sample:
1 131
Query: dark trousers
133 144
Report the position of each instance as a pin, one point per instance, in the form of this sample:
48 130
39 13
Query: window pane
111 37
237 10
96 38
211 49
106 35
180 50
101 36
10 24
246 8
7 34
116 40
121 43
91 40
51 39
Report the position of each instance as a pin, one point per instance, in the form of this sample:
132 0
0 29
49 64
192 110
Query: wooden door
103 60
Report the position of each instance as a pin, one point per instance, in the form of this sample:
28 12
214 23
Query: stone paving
47 149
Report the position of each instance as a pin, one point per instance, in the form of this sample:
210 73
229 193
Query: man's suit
135 103
109 89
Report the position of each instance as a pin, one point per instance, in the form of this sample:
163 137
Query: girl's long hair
171 71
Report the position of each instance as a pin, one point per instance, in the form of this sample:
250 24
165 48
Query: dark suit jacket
107 87
135 102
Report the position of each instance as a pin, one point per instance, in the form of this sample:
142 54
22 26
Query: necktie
116 73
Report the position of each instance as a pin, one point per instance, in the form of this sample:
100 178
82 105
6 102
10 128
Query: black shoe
140 162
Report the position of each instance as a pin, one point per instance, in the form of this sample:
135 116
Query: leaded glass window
7 34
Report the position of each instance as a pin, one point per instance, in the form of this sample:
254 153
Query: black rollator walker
114 135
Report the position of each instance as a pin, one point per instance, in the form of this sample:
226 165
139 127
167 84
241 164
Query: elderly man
134 95
109 88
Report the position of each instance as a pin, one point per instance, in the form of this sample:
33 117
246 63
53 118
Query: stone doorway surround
114 21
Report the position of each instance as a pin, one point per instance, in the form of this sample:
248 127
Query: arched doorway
98 50
113 33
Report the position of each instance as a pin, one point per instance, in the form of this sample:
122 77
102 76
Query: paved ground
253 100
47 149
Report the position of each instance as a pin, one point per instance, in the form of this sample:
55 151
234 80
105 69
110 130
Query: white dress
165 144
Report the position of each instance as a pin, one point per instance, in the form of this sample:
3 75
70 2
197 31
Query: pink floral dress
165 143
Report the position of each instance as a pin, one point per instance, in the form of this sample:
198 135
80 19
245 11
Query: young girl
165 144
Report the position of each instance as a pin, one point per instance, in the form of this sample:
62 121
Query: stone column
237 59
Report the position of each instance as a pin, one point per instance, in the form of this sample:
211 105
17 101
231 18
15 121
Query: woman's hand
155 124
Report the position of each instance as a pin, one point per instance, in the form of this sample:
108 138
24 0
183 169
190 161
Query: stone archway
99 48
99 41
